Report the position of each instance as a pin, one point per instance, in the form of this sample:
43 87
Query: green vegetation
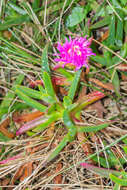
53 120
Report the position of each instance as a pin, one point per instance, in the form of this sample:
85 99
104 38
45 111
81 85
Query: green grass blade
30 101
55 152
9 97
14 21
48 85
2 6
74 85
45 65
98 152
12 49
36 4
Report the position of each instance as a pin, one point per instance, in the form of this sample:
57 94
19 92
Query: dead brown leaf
3 128
50 131
17 175
98 107
124 77
27 117
107 86
26 170
104 36
63 91
58 178
5 181
28 167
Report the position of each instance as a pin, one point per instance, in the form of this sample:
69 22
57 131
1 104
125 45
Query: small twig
114 10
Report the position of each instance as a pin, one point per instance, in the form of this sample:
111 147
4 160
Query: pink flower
75 52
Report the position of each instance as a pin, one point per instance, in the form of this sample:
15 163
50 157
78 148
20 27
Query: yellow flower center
76 49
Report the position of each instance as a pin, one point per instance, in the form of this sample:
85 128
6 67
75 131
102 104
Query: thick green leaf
68 138
29 92
87 100
51 109
123 54
116 4
119 30
9 97
35 94
105 21
30 101
99 59
14 21
67 101
36 4
115 81
111 37
122 182
74 85
116 187
92 128
48 99
113 73
125 141
42 90
48 85
45 65
100 11
123 2
70 125
101 171
65 73
125 149
18 106
77 15
112 160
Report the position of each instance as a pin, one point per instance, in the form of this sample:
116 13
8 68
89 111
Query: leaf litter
24 155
